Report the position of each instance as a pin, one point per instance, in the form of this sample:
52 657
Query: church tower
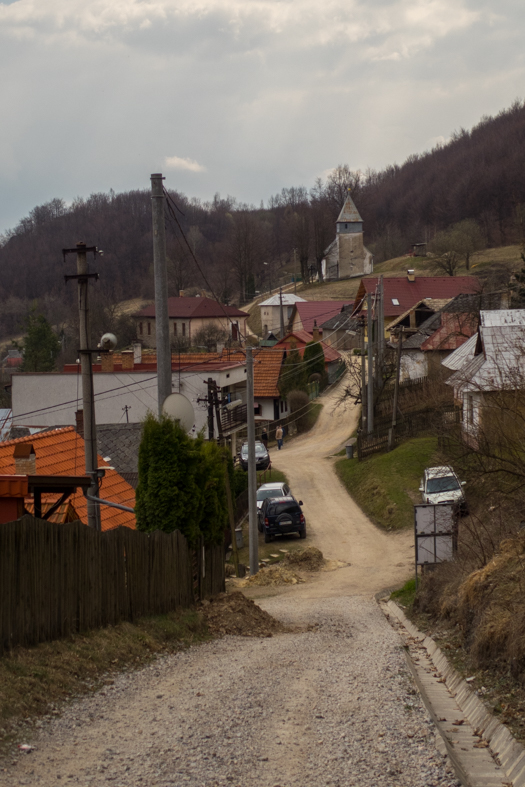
347 256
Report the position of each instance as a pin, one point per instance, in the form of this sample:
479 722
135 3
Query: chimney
79 422
137 352
411 274
181 293
107 361
315 333
25 459
128 359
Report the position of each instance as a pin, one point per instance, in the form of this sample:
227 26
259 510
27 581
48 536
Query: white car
277 489
441 485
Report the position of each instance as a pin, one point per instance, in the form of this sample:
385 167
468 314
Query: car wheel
267 538
302 533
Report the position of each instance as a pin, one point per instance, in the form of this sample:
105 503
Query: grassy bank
33 680
386 486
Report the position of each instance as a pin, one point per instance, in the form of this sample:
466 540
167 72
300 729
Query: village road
330 705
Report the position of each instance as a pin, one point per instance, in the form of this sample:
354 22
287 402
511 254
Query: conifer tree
40 346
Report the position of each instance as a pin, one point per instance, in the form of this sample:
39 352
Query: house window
175 328
184 329
149 329
140 328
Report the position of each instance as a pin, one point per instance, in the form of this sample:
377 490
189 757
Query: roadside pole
86 368
392 430
364 415
222 442
162 327
252 475
370 364
281 314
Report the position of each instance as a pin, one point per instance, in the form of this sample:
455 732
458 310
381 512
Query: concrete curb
503 746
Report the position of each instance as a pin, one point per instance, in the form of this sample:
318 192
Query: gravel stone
334 705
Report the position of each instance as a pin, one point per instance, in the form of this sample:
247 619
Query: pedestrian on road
264 438
279 437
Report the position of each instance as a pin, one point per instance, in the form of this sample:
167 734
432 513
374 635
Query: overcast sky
240 97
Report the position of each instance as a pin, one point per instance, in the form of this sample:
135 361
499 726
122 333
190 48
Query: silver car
441 485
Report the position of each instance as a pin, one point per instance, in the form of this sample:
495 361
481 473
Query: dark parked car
262 457
280 516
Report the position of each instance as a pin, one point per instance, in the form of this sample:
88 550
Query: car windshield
262 494
260 450
447 483
282 508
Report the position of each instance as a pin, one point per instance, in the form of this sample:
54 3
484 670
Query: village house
187 316
305 314
342 332
125 387
408 296
297 340
346 256
487 372
60 453
271 311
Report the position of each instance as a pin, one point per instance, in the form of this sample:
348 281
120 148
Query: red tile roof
188 308
408 293
302 338
454 331
267 363
61 452
321 311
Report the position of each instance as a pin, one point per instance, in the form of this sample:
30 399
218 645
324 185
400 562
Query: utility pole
370 364
295 271
126 409
162 326
88 400
252 473
398 374
380 328
210 384
231 515
281 315
364 416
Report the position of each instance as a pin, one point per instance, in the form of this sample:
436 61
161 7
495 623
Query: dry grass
34 680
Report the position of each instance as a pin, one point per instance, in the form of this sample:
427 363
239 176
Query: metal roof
288 300
349 211
502 317
459 357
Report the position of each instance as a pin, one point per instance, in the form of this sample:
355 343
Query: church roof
349 212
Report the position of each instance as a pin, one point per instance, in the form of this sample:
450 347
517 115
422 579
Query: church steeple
349 220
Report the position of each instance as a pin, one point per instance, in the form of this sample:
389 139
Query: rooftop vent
411 274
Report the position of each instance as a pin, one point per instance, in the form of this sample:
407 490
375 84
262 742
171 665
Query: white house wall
413 365
41 400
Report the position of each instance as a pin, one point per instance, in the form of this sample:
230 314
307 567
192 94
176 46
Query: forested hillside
477 175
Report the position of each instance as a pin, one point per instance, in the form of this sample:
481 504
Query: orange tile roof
61 452
267 362
64 513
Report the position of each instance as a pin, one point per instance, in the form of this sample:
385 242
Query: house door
276 409
235 331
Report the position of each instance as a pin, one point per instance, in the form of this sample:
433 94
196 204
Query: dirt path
332 705
336 525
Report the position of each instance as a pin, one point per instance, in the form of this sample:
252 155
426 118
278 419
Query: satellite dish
108 341
179 407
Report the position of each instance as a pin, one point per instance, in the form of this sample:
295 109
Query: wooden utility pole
370 365
229 497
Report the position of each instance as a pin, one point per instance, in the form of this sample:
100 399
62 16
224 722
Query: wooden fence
56 580
384 438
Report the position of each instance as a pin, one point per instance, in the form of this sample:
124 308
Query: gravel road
333 705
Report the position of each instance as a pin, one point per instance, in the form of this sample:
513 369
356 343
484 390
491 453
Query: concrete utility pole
364 417
370 363
281 314
295 271
162 325
88 401
252 471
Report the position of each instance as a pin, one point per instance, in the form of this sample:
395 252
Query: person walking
279 437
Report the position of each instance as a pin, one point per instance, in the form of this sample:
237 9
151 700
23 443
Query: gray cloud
261 94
